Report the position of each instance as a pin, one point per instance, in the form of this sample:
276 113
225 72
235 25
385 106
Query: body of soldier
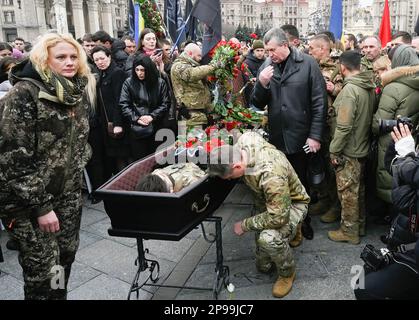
188 78
328 204
281 203
180 175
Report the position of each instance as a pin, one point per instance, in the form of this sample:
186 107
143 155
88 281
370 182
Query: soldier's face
237 172
315 50
63 59
371 49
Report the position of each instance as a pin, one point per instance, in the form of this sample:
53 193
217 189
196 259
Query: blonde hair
39 57
382 63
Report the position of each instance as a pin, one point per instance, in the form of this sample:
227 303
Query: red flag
385 27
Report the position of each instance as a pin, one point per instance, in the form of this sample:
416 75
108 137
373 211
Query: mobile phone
158 51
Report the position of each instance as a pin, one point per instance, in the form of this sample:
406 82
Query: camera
386 126
375 259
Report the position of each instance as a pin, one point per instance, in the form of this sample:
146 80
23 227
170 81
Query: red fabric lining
128 180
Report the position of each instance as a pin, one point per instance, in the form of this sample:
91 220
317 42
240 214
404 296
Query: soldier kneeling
281 202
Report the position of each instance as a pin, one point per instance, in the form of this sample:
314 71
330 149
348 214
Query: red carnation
253 36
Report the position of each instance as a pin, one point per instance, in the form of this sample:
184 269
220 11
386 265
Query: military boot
342 236
298 238
283 286
319 207
331 215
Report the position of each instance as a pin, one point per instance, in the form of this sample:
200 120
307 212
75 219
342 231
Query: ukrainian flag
138 22
335 24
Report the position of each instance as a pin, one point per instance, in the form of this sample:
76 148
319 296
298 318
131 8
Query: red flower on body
253 36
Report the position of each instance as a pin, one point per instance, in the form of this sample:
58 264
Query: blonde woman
43 150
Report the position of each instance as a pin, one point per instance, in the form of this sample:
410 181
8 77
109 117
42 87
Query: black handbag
142 132
139 131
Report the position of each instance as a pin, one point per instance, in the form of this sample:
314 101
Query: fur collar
391 75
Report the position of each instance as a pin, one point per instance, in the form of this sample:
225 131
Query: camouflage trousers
327 189
351 191
46 258
272 245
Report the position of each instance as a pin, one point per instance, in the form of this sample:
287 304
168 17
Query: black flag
131 19
192 23
417 26
209 12
174 19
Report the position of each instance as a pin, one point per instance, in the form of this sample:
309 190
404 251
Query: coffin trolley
163 216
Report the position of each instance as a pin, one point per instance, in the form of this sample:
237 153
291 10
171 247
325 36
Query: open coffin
154 215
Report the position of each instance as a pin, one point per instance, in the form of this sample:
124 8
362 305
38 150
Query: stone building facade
30 18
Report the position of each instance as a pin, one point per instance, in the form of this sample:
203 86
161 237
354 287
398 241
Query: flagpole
183 29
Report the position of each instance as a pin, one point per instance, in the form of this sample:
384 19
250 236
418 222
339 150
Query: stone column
40 16
78 18
107 17
60 16
92 5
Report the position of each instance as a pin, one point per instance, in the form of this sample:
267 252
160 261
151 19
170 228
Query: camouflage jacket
187 78
43 150
331 72
274 183
182 174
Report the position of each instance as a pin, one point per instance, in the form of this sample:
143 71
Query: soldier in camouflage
188 79
172 178
328 204
43 150
350 145
281 202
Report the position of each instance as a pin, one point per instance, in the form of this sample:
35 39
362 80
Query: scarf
65 91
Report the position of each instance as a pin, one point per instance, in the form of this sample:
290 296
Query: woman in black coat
109 144
144 102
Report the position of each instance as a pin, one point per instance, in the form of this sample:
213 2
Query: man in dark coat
291 84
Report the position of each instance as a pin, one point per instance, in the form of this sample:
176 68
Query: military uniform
43 150
350 145
280 203
181 175
327 191
189 88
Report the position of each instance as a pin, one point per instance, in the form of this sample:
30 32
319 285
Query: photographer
394 274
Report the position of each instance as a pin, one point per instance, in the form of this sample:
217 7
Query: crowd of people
98 103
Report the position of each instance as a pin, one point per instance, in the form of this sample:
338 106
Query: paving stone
101 229
170 250
11 288
104 287
90 216
87 239
80 274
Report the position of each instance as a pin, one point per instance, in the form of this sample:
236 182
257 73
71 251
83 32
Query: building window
7 2
9 16
117 12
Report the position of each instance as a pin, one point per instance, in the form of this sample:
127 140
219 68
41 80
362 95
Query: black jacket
110 84
296 102
135 101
